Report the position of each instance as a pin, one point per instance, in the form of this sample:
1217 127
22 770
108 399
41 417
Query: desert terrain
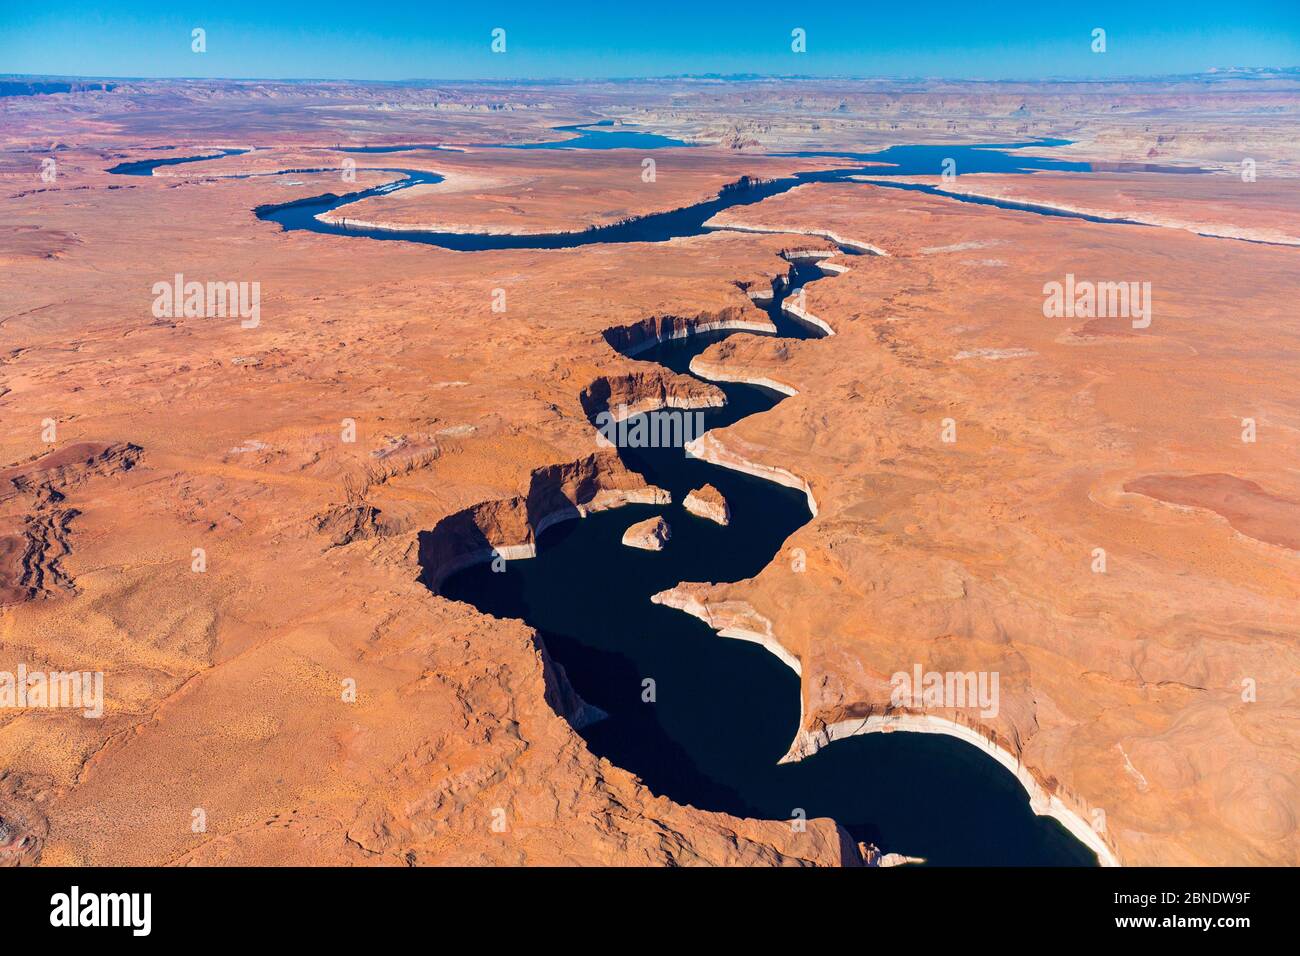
232 518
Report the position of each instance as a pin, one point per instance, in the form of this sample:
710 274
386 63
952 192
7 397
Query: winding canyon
976 829
715 738
824 309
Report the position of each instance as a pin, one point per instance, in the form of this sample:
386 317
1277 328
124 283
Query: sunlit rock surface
649 535
231 522
707 502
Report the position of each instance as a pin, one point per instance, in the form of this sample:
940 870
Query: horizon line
1243 71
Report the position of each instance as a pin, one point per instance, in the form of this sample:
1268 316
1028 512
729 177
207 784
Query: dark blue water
599 136
317 204
990 158
145 167
726 710
658 227
689 221
930 160
590 136
987 158
1002 203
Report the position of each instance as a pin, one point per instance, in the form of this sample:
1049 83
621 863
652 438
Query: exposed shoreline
606 499
807 318
857 244
808 742
678 404
718 325
709 449
716 373
689 604
330 217
1206 231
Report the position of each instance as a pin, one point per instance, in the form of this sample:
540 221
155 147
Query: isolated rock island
649 535
707 502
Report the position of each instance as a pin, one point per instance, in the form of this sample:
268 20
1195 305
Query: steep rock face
644 391
729 618
708 503
66 466
458 749
649 332
750 359
564 699
508 528
649 535
873 856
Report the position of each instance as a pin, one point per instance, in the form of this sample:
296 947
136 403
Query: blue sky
400 40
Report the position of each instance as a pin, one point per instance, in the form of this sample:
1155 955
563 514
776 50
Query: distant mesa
22 87
649 535
708 503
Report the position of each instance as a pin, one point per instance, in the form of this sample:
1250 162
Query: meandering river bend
725 711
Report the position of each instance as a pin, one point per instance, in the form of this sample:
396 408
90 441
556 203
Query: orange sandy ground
1122 691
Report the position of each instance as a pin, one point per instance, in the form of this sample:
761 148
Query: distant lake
689 220
601 136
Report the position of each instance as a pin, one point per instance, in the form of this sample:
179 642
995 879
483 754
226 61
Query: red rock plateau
230 522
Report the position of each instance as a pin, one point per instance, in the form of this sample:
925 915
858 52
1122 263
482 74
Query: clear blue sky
400 40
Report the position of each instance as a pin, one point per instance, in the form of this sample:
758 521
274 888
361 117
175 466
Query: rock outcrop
649 535
707 502
35 532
